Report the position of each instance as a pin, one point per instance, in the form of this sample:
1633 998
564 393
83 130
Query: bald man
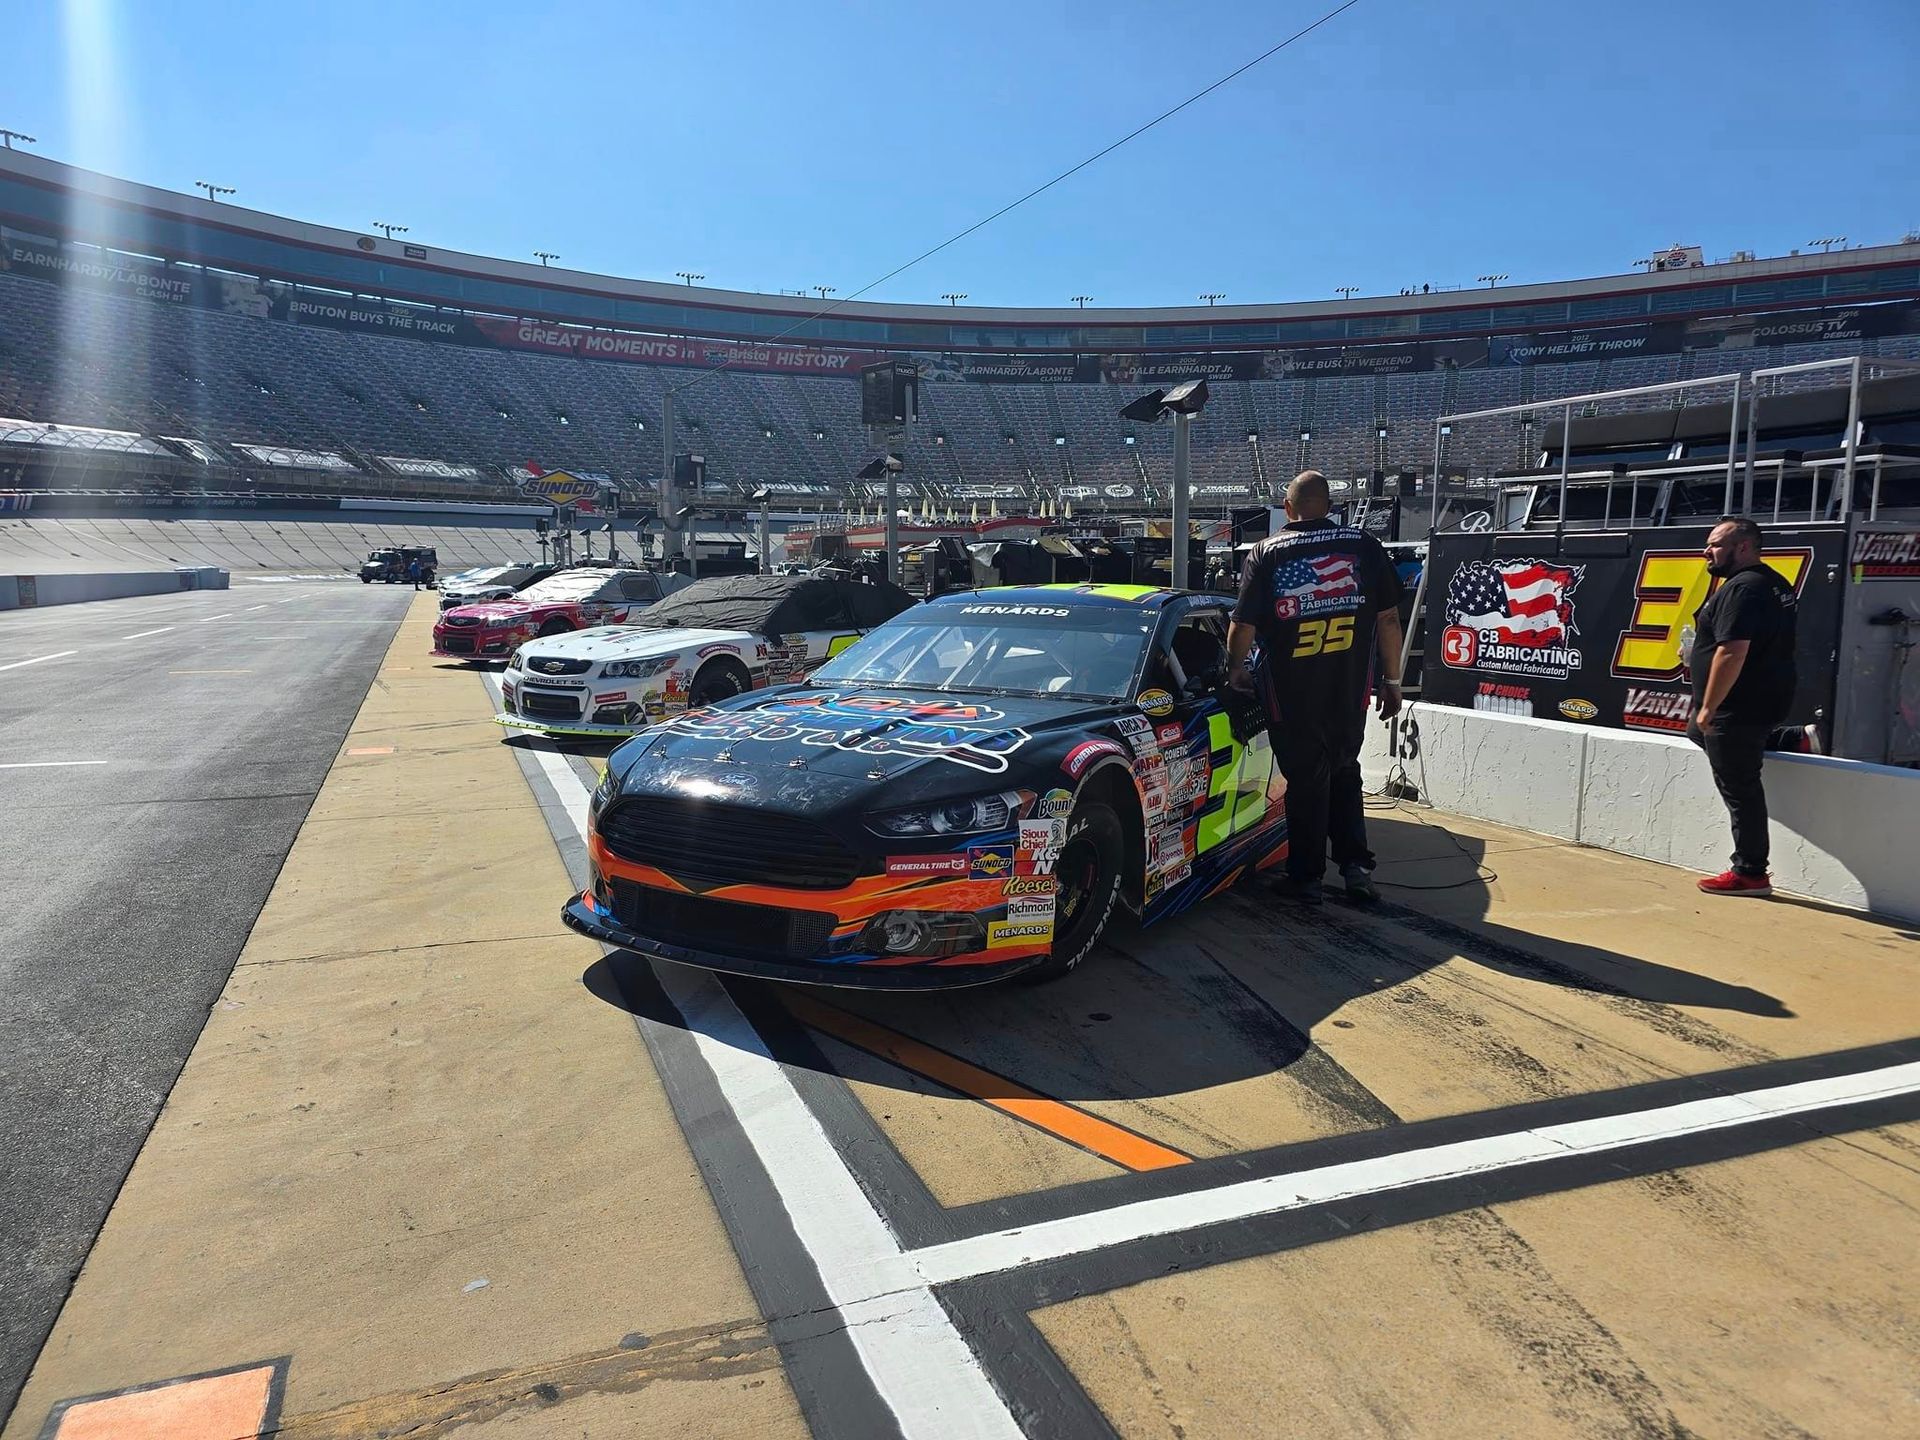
1322 599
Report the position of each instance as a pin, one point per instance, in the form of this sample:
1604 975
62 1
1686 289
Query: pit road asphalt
209 720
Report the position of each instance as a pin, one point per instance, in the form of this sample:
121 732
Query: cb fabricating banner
1514 626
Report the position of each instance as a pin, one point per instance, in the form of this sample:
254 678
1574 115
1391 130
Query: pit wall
1843 831
19 592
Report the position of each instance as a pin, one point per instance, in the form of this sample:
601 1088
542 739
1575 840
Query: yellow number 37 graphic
1671 585
1324 637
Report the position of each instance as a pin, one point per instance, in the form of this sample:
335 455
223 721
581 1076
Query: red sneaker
1732 882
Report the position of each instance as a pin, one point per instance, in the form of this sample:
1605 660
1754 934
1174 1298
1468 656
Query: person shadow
1237 986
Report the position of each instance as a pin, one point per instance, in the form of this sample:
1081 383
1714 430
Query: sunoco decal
1512 616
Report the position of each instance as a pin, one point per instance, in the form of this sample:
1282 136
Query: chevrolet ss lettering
967 793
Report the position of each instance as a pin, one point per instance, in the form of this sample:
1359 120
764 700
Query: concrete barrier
1843 831
22 592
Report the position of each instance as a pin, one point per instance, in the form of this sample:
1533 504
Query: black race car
964 794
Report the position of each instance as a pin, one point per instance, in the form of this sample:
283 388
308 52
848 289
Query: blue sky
775 146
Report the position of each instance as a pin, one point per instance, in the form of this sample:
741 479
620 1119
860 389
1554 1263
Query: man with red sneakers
1743 677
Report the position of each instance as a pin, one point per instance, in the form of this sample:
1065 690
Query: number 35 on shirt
1324 637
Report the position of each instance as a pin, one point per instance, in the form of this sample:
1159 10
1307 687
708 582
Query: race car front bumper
568 727
588 914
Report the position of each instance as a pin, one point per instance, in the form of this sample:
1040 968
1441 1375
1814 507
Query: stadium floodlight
214 192
1212 295
953 297
543 256
689 275
825 290
1492 280
1080 300
1827 242
392 230
1345 292
1183 402
9 136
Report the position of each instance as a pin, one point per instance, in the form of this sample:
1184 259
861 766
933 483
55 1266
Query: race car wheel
366 579
716 681
1088 872
555 626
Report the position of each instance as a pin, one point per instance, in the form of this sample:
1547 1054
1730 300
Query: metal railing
1443 426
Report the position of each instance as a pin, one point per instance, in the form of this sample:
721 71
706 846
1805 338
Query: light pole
1213 295
392 230
1080 300
9 136
214 192
825 290
1492 280
1827 242
1345 292
1183 402
689 275
954 297
543 256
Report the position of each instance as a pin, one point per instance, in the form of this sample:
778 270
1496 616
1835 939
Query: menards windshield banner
1597 633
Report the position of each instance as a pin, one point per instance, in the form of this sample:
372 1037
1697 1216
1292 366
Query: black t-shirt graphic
1756 605
1312 591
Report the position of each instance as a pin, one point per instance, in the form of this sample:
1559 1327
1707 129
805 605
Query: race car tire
555 626
1089 877
716 681
366 579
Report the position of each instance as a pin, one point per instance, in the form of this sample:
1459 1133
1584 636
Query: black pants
1320 756
1735 754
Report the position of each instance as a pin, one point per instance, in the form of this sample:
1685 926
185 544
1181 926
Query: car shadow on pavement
1237 987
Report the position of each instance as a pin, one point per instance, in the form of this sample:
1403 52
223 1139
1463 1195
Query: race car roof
1116 597
778 604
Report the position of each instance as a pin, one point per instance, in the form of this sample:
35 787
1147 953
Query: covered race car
570 600
967 793
713 639
490 582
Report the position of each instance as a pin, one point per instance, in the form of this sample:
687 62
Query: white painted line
263 605
57 655
922 1368
45 764
224 615
1082 1234
144 633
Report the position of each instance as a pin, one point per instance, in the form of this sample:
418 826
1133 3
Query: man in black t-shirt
1320 598
1742 671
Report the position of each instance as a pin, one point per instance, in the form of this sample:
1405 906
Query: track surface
132 882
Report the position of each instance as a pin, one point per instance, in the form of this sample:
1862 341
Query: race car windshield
565 587
1075 653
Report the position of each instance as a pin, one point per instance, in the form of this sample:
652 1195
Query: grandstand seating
76 357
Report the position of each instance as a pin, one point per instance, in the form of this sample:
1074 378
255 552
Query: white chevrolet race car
713 639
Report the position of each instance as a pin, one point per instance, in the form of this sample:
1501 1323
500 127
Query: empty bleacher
75 357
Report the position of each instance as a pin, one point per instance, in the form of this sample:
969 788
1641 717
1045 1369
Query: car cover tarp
766 604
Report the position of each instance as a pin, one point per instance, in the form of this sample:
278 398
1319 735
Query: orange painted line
231 1406
1122 1146
371 750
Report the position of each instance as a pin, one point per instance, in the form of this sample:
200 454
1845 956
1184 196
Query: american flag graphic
1520 602
1319 578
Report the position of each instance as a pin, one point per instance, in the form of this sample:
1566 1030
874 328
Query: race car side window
639 587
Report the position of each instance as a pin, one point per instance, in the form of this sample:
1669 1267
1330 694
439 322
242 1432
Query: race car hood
498 610
472 594
627 642
803 748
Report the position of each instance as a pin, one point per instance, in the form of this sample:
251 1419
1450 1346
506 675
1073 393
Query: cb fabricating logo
1514 617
